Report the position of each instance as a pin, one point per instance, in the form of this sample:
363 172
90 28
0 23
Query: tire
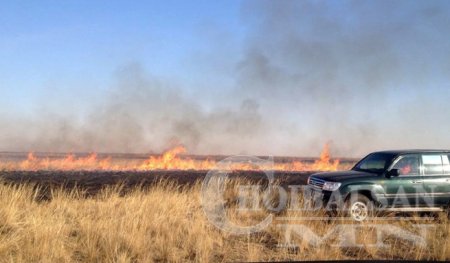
359 207
447 211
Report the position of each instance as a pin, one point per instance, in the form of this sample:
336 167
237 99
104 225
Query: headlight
331 186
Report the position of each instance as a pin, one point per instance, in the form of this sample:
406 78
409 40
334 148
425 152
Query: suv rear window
432 164
446 163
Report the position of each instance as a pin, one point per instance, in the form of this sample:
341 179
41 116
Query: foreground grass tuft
164 223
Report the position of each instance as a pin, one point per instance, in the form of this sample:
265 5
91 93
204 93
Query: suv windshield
375 163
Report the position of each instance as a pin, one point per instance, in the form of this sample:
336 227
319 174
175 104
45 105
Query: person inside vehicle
407 166
405 170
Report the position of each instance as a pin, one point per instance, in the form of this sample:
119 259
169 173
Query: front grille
316 182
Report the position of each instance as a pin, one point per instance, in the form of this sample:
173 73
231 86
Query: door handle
417 181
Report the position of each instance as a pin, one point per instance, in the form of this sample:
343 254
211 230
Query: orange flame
173 159
170 160
325 163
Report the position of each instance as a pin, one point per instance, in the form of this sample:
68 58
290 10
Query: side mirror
392 172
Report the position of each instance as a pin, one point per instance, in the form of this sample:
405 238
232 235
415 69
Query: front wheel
359 207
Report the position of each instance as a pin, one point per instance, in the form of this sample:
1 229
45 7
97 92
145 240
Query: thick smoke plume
139 114
364 75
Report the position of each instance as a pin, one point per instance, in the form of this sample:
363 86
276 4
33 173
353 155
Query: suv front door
406 189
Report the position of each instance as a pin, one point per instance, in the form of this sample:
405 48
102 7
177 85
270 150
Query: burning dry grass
163 223
173 159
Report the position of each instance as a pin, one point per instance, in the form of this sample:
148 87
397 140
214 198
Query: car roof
410 151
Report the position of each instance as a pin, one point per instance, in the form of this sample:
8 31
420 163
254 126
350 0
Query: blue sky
80 44
254 77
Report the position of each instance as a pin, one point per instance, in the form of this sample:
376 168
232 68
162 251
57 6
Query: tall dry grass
164 223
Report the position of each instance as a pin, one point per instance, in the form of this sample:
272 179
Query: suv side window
445 161
408 165
432 164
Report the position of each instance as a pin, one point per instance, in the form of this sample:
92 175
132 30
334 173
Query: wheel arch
365 192
371 191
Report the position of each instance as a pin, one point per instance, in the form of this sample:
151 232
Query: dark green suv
406 181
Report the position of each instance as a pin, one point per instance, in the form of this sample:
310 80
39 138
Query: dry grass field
166 222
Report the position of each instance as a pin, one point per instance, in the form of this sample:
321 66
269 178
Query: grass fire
173 159
224 131
154 206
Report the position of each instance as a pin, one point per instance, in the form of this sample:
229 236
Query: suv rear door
436 171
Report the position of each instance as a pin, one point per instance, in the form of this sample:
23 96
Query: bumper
319 199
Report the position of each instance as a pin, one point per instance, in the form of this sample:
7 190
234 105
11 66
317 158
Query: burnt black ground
93 181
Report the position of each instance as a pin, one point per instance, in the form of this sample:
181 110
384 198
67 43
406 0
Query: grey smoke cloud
139 114
350 73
